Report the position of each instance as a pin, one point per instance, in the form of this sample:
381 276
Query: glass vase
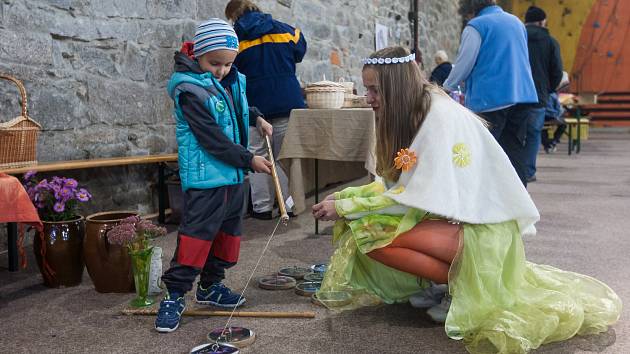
141 266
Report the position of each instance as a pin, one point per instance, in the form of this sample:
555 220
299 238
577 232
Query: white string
227 324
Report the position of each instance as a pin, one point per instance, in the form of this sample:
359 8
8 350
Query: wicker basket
348 87
324 94
18 137
354 101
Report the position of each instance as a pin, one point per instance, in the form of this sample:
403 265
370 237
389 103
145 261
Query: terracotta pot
58 252
109 265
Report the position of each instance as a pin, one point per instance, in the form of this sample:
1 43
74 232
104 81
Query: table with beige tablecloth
340 140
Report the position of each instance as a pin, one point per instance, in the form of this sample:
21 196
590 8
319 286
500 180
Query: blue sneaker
218 295
169 314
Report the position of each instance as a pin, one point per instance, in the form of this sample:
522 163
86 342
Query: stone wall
95 71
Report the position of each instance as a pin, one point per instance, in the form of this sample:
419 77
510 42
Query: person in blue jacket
212 118
268 53
494 62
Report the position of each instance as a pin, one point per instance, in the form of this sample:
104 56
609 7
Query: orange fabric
16 206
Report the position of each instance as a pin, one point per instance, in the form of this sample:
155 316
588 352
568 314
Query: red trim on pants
226 247
192 251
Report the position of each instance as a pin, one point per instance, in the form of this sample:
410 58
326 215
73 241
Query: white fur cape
462 173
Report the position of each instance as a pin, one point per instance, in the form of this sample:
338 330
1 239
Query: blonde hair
440 57
236 8
404 102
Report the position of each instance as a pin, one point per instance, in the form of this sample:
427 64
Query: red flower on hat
187 48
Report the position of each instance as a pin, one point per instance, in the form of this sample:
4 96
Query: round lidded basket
324 95
18 137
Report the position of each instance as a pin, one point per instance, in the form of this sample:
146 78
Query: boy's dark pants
209 239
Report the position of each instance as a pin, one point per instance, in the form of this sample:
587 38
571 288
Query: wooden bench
575 132
161 160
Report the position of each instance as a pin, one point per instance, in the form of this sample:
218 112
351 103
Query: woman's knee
437 238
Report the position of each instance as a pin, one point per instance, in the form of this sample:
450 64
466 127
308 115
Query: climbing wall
601 62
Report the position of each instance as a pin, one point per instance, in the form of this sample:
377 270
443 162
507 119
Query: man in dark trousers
546 64
492 60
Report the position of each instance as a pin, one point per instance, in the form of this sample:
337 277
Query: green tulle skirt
500 302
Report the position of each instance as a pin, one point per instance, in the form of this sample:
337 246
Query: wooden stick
284 216
193 312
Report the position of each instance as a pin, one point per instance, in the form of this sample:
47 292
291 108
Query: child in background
554 113
212 116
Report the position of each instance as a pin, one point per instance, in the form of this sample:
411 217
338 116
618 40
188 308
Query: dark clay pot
109 265
59 252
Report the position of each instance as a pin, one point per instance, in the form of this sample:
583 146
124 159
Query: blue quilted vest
197 168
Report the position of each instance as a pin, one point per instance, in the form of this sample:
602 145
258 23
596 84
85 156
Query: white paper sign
381 34
289 203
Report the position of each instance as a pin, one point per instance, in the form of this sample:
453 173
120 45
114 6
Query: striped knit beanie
214 34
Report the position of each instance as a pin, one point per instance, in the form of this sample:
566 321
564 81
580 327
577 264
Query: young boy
212 117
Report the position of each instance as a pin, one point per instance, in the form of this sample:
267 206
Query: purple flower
65 193
55 198
43 184
28 175
59 207
71 183
83 195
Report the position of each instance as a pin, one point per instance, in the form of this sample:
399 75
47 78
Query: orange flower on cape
405 159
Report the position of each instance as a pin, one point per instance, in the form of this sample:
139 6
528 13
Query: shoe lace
165 308
221 288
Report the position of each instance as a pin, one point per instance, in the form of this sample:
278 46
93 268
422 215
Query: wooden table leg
579 137
316 193
570 126
12 245
161 193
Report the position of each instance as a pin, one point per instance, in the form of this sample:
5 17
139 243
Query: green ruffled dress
500 302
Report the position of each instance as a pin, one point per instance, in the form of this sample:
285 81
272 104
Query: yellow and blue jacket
268 53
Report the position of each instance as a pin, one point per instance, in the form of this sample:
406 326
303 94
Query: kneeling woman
448 207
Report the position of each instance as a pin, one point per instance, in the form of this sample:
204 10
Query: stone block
60 105
128 9
26 47
121 102
334 58
159 65
165 34
133 65
210 8
170 9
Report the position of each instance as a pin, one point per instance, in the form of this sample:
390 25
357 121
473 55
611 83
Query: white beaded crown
375 61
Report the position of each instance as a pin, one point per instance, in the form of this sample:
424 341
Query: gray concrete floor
583 200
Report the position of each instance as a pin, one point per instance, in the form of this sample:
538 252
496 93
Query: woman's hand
325 211
330 197
261 164
264 127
